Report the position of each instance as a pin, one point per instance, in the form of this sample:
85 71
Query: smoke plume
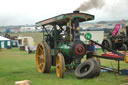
90 4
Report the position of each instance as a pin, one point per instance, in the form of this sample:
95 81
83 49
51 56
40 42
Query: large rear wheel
60 65
43 58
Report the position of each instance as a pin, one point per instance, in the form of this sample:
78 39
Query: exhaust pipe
76 11
76 23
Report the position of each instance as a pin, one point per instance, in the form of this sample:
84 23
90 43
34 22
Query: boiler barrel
64 49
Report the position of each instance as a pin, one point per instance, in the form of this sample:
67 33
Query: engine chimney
76 11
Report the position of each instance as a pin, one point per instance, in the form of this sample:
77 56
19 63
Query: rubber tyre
107 43
98 67
90 65
49 58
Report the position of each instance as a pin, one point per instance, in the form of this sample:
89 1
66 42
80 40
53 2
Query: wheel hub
41 57
79 49
57 65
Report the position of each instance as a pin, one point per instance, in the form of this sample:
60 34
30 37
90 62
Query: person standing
90 49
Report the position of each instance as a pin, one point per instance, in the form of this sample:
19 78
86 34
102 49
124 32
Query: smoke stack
76 11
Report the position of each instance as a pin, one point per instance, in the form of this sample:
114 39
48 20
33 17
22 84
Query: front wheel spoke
43 59
40 64
39 60
60 71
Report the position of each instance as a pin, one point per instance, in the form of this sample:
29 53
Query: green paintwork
63 18
63 48
5 44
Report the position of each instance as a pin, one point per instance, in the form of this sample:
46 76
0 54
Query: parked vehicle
116 40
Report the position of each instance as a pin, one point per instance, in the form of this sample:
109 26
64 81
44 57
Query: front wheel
60 65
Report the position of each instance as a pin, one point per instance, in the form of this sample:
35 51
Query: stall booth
5 42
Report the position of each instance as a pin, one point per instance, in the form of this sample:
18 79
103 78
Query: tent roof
3 38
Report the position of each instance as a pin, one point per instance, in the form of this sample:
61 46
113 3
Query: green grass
18 65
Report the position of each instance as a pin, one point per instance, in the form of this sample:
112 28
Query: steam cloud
87 5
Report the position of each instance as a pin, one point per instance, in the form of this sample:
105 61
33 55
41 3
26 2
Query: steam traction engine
117 41
61 45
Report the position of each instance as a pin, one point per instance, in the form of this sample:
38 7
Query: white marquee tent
4 42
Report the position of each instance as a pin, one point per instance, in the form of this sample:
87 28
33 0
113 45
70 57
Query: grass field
18 65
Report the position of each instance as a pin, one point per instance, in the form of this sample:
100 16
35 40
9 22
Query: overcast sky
20 12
